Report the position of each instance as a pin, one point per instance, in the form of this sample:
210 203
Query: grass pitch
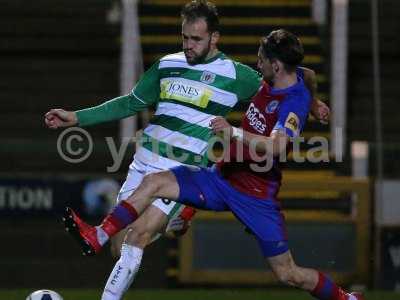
198 294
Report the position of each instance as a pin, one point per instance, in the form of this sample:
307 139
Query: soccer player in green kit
189 89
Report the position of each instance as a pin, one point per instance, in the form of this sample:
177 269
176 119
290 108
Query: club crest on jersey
272 106
207 77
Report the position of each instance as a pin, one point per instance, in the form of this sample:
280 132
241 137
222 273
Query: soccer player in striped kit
242 185
189 89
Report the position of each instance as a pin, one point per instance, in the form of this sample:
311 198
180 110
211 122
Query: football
44 295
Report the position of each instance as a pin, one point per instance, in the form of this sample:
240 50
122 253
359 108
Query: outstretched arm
272 145
319 109
145 93
57 117
115 109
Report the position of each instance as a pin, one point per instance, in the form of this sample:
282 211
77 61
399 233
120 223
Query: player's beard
268 77
198 58
269 80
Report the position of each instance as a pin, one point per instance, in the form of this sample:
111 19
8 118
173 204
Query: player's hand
180 224
57 118
320 111
219 124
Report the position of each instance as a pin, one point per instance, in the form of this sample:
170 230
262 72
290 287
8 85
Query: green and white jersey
187 98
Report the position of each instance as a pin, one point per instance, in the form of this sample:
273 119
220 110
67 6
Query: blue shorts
205 189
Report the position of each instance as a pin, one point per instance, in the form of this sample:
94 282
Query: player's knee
152 183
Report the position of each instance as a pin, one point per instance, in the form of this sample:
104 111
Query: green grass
75 294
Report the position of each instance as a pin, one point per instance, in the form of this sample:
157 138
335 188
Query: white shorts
137 170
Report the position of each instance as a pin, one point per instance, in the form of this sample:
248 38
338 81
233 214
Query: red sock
326 289
122 215
187 213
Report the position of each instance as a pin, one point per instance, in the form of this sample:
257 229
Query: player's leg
154 219
145 230
150 225
139 235
183 184
91 239
178 216
116 242
265 220
316 283
137 171
286 271
164 184
191 186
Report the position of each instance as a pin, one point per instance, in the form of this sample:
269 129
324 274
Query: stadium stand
62 54
360 103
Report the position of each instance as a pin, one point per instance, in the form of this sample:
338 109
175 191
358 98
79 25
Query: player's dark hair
283 45
202 9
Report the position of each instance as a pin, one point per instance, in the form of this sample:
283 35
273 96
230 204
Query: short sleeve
293 113
248 82
147 89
